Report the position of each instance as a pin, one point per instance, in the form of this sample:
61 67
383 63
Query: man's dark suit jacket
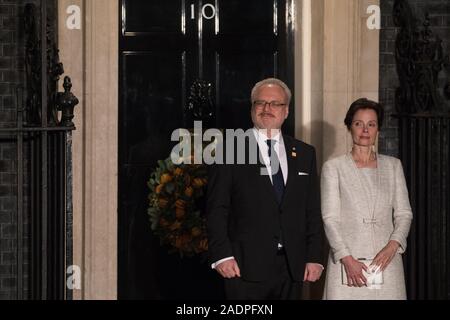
244 218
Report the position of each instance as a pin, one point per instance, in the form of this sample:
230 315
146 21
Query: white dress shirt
280 150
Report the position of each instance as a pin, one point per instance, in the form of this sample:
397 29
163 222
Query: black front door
164 48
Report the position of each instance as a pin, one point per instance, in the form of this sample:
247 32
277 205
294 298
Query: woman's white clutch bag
373 275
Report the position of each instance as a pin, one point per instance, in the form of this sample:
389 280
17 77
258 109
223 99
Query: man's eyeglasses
273 104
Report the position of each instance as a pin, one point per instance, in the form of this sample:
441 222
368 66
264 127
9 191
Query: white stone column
337 61
90 57
309 73
351 68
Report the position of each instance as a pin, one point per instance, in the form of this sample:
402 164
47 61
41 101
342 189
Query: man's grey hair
272 81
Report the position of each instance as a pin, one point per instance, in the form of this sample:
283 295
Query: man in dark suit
265 230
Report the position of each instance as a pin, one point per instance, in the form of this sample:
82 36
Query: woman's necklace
372 157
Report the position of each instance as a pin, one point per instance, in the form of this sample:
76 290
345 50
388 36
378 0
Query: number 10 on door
208 11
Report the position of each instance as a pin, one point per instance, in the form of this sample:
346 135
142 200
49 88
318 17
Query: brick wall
11 74
439 11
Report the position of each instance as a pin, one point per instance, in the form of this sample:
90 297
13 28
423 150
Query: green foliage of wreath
176 194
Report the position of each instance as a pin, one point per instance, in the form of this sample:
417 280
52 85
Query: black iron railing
43 135
424 132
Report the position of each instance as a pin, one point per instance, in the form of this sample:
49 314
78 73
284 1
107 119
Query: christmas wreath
176 203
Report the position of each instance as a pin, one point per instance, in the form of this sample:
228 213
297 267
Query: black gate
424 122
42 135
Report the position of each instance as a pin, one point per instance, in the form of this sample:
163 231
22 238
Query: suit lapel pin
294 153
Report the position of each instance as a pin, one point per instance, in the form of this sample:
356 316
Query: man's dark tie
277 178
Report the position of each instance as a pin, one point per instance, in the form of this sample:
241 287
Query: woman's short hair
272 81
364 103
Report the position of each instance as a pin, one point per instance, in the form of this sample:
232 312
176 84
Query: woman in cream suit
366 214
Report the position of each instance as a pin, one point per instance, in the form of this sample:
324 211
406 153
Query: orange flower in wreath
166 178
